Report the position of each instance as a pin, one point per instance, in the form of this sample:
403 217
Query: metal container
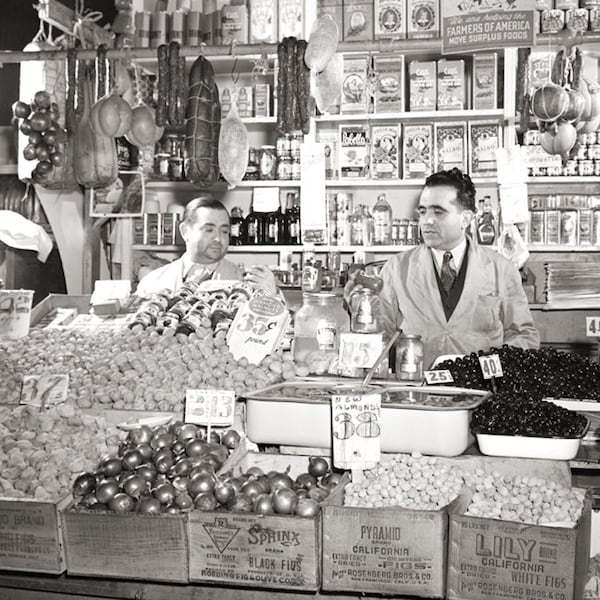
409 358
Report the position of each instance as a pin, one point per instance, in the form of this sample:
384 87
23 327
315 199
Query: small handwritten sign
15 313
360 350
592 326
438 377
44 391
356 419
257 328
210 407
490 366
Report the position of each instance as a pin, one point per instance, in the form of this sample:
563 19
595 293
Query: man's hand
262 278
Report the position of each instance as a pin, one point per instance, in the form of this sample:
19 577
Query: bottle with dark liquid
254 228
293 220
252 169
236 227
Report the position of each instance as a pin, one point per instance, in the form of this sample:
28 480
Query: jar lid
317 295
268 147
409 336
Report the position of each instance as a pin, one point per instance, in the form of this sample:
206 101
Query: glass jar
409 358
318 324
364 311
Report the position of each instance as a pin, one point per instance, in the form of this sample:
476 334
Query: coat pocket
486 317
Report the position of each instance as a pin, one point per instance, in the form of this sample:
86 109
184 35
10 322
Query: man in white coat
460 297
205 229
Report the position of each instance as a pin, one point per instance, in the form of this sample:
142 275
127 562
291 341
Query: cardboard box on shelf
390 19
422 77
423 19
417 151
389 83
485 81
355 97
451 84
358 20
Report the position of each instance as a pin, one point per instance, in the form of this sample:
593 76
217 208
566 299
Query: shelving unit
437 115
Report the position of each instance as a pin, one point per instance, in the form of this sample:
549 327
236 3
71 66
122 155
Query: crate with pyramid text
249 549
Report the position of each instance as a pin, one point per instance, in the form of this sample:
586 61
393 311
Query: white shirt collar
458 254
188 263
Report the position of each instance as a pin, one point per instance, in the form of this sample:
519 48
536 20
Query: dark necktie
448 274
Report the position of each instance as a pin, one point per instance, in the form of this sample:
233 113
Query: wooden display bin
267 551
31 536
384 550
128 546
490 559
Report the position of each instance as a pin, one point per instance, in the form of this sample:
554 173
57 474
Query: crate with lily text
31 537
128 546
249 549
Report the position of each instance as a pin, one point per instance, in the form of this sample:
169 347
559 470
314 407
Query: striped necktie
198 273
448 273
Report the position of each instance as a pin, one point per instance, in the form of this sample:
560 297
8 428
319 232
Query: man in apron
460 297
205 230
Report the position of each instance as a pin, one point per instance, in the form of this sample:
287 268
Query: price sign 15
438 377
210 407
44 390
490 366
356 418
592 326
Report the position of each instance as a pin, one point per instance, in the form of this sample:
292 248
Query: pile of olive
534 373
527 416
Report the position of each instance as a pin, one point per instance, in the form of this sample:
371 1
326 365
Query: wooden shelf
564 179
395 183
414 115
561 248
283 248
8 169
186 185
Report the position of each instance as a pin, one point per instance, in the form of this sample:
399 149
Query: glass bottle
486 229
274 227
382 222
318 324
254 226
356 227
294 227
252 168
364 312
236 226
367 226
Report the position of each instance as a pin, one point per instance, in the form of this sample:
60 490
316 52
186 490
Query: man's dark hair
461 182
190 212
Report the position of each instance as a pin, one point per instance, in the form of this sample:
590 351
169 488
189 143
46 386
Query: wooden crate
129 546
270 551
31 537
384 550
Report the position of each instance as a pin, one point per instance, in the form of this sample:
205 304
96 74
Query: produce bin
298 413
52 301
384 550
128 546
267 551
31 535
490 559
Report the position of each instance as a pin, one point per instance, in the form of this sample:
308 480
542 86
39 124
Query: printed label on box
423 19
451 146
485 81
384 151
450 84
423 88
354 151
417 144
389 87
358 20
354 86
485 140
390 19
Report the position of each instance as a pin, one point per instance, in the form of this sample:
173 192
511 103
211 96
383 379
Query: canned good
585 168
403 232
595 19
267 162
582 152
552 21
158 33
296 170
193 31
284 168
568 227
409 358
177 27
596 227
578 19
593 151
566 4
554 171
284 145
142 29
571 168
585 227
295 145
531 137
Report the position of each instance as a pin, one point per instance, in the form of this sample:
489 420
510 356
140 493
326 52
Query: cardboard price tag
592 326
360 350
210 407
490 366
258 328
438 377
15 313
356 418
44 390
